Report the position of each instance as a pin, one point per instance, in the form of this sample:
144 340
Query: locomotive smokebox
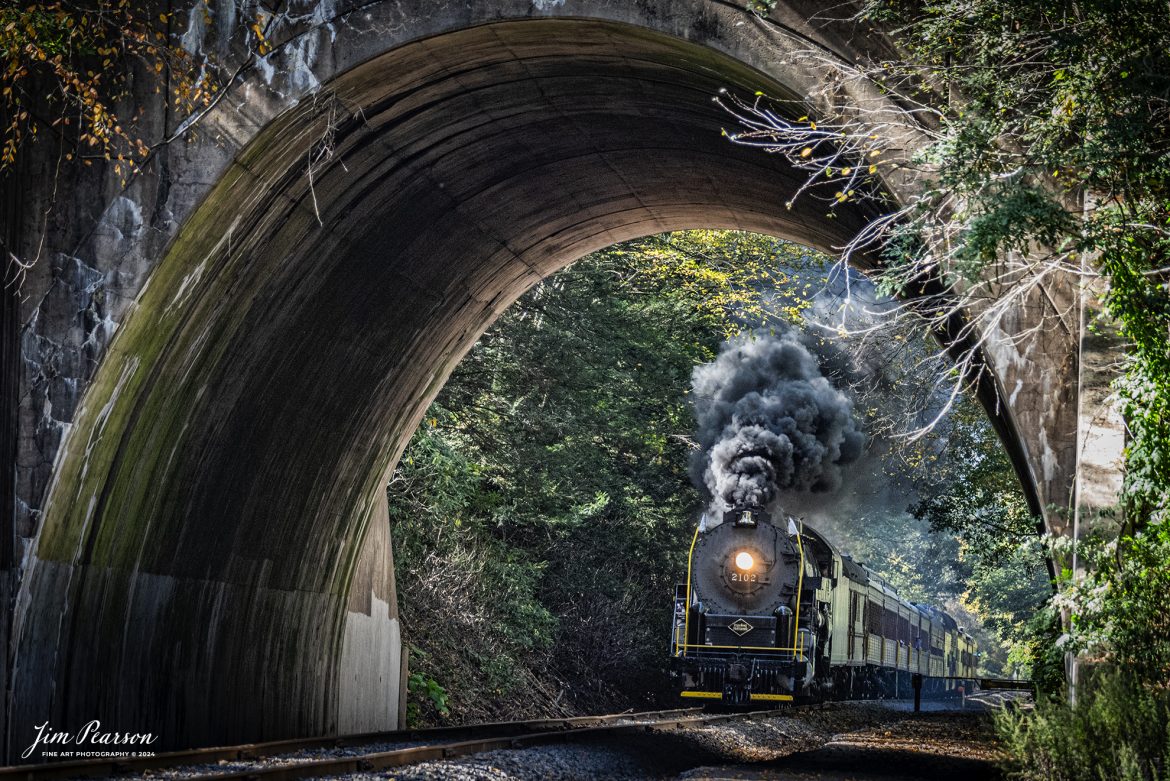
746 567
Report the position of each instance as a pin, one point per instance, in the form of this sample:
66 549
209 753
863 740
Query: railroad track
999 699
272 760
373 762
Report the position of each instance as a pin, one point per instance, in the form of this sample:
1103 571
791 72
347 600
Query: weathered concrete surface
370 695
220 363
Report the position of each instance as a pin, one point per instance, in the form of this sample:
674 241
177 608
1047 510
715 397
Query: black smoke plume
769 422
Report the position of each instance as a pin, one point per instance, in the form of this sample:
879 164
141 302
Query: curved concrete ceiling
481 162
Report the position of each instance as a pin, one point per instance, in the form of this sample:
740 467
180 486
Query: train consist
777 614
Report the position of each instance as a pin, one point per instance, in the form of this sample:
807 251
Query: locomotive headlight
744 560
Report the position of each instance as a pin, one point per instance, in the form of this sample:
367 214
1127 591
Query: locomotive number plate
749 577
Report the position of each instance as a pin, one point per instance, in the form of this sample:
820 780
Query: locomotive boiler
774 613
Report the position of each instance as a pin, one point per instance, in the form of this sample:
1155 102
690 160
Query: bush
424 691
1117 732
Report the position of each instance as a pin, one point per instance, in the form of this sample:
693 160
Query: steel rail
373 762
119 765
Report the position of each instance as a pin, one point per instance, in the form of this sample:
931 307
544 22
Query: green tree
1061 140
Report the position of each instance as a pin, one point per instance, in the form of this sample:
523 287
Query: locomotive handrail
687 606
799 591
742 647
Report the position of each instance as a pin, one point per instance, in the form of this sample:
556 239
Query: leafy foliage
1120 615
1056 145
1060 142
1117 732
67 65
70 65
421 687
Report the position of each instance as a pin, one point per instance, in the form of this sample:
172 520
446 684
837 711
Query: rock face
209 373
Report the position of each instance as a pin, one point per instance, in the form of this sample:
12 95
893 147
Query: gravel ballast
834 742
860 738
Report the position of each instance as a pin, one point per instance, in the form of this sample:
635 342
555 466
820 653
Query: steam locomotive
777 614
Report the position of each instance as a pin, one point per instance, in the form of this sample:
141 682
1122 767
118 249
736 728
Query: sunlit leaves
1062 147
69 71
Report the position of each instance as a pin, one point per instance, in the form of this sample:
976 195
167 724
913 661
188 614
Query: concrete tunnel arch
208 526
